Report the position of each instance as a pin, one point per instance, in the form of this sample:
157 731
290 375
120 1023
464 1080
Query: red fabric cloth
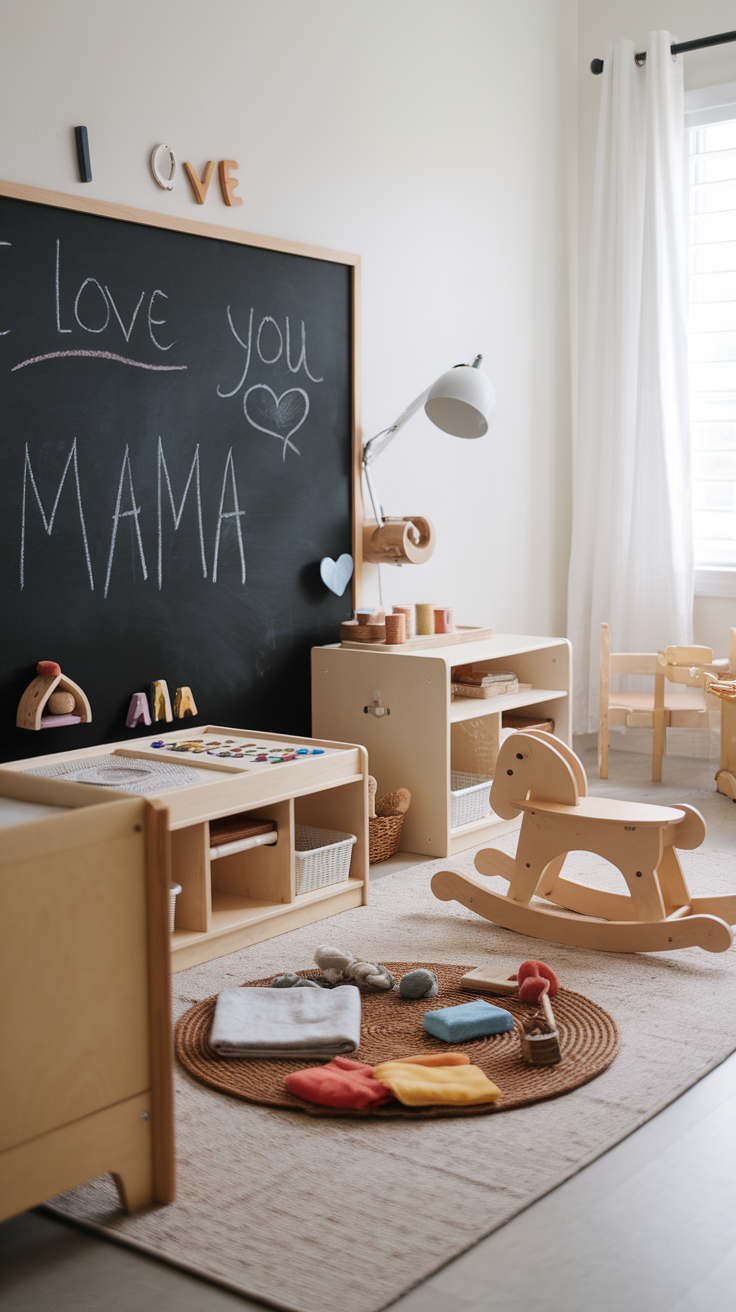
341 1083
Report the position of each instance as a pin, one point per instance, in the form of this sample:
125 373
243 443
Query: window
711 122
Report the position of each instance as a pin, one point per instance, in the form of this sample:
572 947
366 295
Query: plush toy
397 803
340 967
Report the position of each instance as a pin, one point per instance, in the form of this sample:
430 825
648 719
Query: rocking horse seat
608 809
541 778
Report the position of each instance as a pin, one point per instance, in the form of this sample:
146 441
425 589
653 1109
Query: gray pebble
419 984
286 981
306 983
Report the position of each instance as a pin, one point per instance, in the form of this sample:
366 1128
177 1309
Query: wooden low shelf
427 734
471 708
229 901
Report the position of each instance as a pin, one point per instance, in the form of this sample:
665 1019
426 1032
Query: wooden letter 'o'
166 182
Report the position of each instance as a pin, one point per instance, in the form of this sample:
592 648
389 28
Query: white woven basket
322 857
470 794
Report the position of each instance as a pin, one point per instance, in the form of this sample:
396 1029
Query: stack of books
467 682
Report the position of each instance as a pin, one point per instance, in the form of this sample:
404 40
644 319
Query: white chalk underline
100 355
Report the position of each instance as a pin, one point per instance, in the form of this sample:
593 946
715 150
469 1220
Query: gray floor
649 1226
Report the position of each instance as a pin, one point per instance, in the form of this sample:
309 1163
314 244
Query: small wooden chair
660 708
540 777
690 667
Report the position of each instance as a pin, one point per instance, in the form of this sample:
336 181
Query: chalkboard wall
177 455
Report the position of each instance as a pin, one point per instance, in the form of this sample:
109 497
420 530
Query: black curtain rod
596 65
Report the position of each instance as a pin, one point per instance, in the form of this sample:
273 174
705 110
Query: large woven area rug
309 1213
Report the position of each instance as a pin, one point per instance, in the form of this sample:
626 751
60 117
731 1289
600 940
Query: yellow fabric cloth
419 1086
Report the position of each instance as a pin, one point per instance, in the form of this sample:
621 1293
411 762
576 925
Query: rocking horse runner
540 776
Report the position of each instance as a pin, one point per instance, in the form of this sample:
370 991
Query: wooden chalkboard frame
151 218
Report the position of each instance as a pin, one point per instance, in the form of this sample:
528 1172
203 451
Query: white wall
603 21
435 138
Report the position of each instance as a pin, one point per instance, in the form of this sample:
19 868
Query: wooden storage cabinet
425 735
85 1029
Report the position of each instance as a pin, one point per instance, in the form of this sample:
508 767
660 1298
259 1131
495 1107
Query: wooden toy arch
33 702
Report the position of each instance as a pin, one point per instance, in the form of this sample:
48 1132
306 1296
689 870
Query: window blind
712 224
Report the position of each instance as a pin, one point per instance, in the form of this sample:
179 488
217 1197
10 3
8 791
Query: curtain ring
166 183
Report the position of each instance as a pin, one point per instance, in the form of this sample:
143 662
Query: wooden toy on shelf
541 777
53 692
407 541
428 737
160 701
138 712
184 703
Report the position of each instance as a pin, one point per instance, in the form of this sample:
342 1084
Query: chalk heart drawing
279 416
336 574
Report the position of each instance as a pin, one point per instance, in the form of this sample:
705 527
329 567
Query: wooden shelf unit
85 1028
248 896
427 735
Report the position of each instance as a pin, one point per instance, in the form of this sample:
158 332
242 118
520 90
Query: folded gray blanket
286 1022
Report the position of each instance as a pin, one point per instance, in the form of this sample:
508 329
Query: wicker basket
384 836
322 857
470 794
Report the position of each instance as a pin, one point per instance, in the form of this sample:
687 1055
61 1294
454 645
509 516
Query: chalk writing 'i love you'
277 416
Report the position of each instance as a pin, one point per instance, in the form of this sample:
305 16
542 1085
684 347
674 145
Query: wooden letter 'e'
227 183
160 701
200 185
184 703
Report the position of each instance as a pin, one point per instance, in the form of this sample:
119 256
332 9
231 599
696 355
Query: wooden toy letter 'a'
160 701
184 703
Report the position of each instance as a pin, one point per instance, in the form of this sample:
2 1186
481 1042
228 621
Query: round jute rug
391 1027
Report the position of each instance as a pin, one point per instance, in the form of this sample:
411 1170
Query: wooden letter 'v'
200 185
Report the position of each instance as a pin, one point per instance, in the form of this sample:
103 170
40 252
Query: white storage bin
470 794
322 857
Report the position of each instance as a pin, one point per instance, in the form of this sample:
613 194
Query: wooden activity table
249 895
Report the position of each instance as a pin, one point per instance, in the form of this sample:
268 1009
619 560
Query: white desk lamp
461 402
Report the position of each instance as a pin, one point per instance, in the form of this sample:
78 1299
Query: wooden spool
408 541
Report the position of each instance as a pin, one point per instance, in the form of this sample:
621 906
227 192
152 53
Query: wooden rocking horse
540 776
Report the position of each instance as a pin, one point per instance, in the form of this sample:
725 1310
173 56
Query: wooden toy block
138 712
160 701
184 703
487 979
541 777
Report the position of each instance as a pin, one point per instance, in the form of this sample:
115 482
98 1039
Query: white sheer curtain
631 559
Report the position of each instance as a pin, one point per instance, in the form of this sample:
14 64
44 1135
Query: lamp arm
375 445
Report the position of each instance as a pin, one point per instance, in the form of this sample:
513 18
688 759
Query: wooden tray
425 642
